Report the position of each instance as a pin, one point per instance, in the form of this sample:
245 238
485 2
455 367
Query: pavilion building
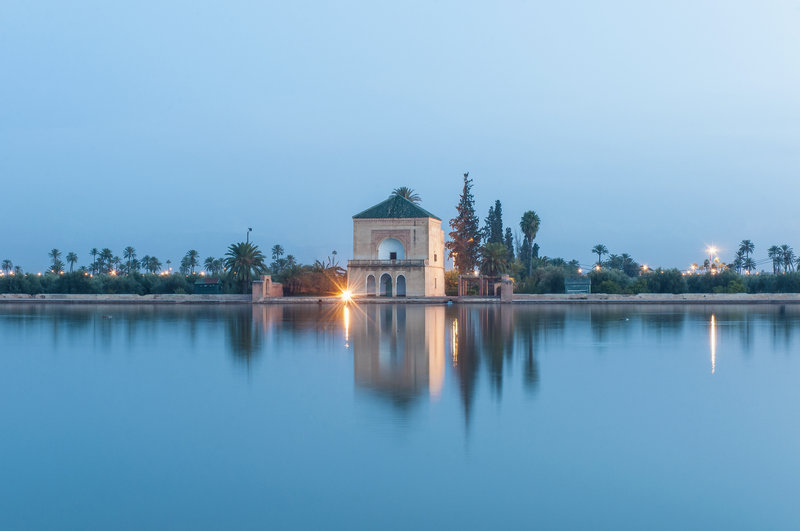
398 251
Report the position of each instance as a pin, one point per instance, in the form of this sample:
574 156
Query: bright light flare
346 295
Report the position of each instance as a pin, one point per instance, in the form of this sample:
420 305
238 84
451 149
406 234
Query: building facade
398 251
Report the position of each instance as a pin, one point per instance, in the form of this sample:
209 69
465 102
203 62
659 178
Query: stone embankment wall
662 298
518 298
124 298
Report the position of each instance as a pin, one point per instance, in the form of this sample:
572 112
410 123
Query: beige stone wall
422 237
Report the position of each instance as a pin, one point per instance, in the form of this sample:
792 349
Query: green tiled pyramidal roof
395 207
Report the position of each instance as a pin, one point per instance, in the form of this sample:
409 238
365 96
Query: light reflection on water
283 416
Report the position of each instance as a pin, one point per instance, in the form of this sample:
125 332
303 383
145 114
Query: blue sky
653 127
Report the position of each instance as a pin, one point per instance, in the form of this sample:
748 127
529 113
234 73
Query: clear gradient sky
652 127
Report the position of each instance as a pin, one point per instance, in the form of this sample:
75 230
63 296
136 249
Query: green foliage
494 259
243 260
465 238
451 282
529 225
79 282
493 228
509 241
407 193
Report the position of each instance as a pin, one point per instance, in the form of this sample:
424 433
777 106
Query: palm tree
129 254
56 265
7 266
277 251
738 262
775 254
244 259
104 260
208 264
71 258
151 264
787 258
746 248
93 254
748 264
169 266
407 193
192 260
494 259
600 250
529 224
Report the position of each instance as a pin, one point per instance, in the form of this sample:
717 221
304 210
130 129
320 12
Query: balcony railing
386 263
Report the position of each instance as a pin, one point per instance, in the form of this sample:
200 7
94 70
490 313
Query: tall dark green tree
465 238
493 230
509 241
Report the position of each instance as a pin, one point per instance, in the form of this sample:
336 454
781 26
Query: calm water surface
393 417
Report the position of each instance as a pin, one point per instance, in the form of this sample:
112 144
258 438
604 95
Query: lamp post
249 230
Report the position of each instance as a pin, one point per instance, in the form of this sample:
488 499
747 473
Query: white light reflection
346 316
713 338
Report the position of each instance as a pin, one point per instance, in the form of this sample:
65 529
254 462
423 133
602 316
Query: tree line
108 273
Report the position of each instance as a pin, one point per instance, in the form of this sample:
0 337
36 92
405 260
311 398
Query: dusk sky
655 128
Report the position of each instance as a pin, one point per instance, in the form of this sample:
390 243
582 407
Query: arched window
371 285
391 249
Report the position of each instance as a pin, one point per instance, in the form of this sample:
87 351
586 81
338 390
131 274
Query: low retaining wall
519 298
124 298
662 298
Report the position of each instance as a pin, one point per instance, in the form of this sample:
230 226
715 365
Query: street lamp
249 230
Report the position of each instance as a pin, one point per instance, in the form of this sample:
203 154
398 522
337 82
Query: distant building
208 286
398 251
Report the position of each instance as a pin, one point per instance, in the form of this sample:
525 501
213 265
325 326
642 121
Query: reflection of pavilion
397 350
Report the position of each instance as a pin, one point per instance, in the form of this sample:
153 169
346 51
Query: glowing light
580 270
597 267
346 295
644 267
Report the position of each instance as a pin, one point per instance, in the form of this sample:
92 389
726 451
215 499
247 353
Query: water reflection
712 332
405 352
398 351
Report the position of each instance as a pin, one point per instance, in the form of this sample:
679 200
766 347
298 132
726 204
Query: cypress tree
509 241
497 224
465 238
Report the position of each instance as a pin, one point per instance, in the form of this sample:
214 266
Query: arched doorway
386 285
371 285
401 286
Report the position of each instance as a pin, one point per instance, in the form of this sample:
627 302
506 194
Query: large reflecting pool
399 416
